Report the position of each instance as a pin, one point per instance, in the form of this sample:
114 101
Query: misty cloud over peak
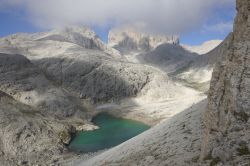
156 16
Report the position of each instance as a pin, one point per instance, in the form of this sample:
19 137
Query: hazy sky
194 20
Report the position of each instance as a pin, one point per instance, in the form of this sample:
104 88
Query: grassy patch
208 157
241 116
243 150
64 136
214 161
195 159
29 113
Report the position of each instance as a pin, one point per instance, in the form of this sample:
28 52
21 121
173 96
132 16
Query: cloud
222 28
157 16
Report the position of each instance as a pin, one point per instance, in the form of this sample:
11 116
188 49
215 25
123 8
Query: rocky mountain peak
127 39
69 33
227 119
78 35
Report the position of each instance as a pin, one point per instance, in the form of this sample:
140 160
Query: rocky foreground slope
27 137
226 132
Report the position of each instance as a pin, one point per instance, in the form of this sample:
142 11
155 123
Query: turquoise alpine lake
112 131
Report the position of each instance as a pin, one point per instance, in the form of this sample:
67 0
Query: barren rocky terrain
53 83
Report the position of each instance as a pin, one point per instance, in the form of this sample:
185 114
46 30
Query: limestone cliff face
127 39
227 119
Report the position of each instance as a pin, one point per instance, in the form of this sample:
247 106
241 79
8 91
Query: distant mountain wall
127 39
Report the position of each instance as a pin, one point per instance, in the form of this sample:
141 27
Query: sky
195 21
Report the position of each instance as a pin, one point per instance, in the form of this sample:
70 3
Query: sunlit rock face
82 36
127 39
227 135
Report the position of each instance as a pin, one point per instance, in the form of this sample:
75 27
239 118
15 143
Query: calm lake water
113 131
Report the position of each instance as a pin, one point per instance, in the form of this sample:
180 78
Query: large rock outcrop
27 137
227 119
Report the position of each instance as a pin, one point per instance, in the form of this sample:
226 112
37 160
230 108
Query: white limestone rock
127 39
227 134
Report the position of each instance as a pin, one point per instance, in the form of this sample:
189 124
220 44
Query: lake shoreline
111 132
74 157
119 112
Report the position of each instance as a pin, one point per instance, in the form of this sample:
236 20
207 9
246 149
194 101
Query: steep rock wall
227 119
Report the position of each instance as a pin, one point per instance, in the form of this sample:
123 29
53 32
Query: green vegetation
243 150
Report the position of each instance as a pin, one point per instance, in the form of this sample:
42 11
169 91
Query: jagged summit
82 30
82 36
127 39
